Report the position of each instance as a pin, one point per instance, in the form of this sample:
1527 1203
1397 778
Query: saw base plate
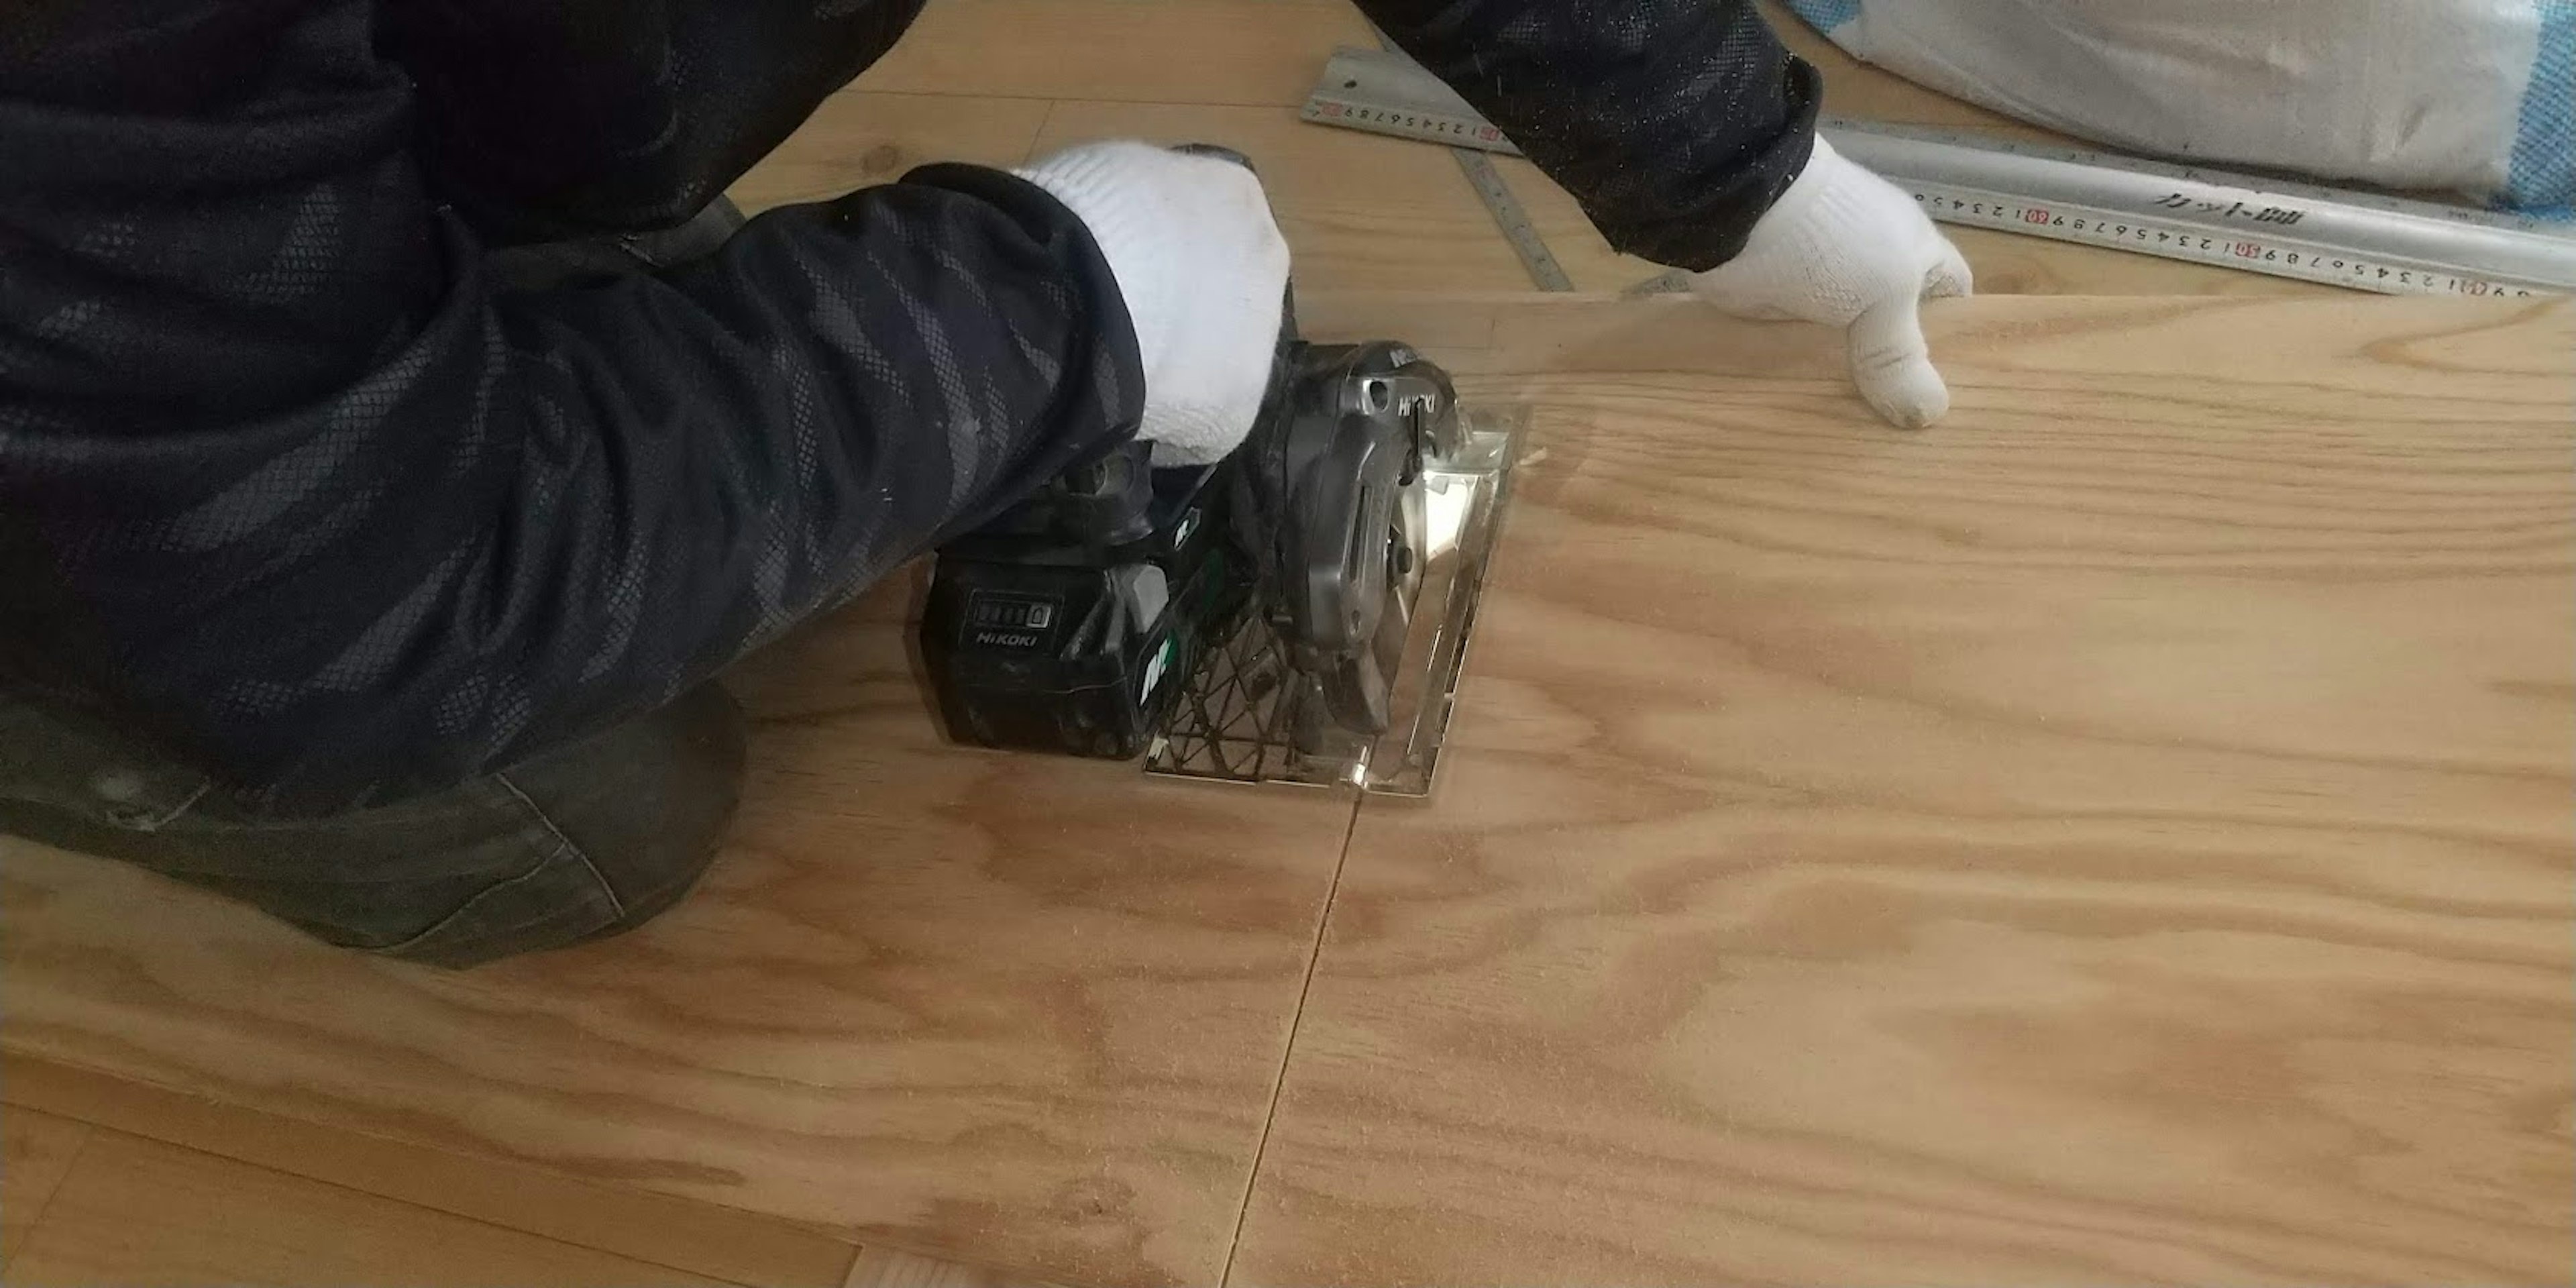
1248 716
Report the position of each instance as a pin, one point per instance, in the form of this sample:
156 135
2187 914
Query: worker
398 432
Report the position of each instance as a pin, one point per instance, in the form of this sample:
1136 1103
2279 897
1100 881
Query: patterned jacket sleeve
289 480
1675 122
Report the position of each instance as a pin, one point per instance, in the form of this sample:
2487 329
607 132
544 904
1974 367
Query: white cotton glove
1204 271
1845 248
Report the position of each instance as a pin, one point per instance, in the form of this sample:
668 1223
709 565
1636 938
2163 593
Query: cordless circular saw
1252 619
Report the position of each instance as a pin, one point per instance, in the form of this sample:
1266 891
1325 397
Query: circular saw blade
1359 689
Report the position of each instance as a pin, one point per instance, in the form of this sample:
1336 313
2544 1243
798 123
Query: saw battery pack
1072 623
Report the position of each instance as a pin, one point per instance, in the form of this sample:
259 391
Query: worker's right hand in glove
1848 249
1204 271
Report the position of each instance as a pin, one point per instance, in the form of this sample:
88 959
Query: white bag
2470 96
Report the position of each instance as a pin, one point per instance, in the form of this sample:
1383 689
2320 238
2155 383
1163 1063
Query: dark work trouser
575 843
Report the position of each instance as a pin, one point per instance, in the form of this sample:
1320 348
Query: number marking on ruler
2253 252
1513 220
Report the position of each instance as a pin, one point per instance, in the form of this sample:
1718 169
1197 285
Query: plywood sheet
1236 52
700 1238
883 1268
1022 1010
2123 834
35 1150
134 1211
857 140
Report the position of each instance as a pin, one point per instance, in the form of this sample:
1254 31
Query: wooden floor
2122 835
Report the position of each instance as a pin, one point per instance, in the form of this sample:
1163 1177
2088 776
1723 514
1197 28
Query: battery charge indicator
1011 613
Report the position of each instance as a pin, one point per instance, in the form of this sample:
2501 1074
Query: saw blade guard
1352 538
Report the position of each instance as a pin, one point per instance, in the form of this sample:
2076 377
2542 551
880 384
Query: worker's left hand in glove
1204 271
1845 248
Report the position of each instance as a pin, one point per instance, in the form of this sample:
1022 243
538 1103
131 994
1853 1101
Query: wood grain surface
2123 834
2107 839
884 1268
1024 1011
859 139
2120 835
699 1238
134 1211
1218 52
35 1150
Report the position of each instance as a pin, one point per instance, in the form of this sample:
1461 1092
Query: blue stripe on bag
1825 15
2542 179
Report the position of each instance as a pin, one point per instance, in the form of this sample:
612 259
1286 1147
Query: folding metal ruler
2244 221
